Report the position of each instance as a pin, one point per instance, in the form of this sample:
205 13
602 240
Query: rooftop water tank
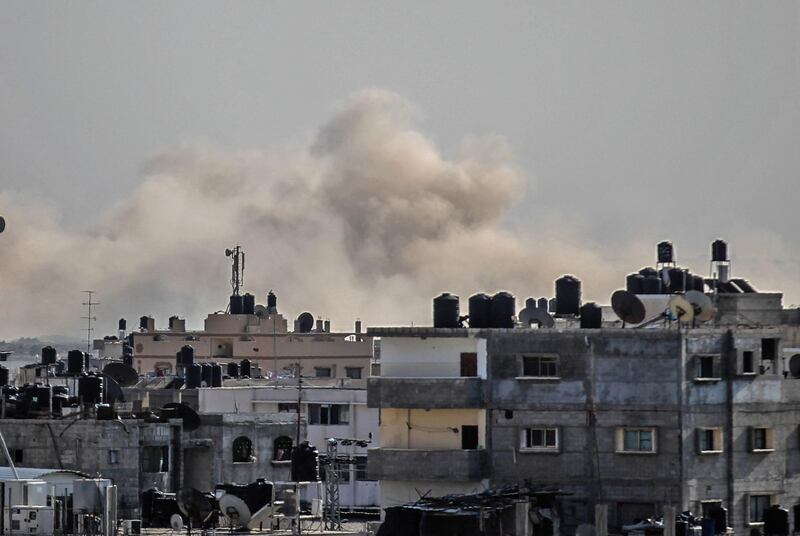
49 355
480 311
248 304
665 252
677 280
216 375
245 368
90 389
591 316
647 271
207 373
543 304
502 310
233 369
651 284
75 363
719 251
236 304
445 311
568 295
635 283
194 376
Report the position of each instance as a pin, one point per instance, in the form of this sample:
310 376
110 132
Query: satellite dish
121 373
261 311
234 509
703 308
113 392
794 366
681 309
191 420
535 315
305 322
628 306
176 522
2 224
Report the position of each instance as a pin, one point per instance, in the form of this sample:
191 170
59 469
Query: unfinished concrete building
690 415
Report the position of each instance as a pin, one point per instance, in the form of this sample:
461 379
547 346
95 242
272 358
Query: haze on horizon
369 156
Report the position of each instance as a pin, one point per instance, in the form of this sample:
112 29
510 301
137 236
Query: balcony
422 464
425 393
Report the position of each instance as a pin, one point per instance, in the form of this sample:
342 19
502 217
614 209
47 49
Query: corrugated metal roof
32 473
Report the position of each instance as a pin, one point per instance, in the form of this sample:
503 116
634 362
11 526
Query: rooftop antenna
237 270
89 318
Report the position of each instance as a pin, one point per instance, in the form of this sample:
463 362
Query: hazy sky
630 121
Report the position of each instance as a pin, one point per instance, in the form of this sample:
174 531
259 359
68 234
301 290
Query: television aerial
680 309
628 307
235 509
261 311
703 308
237 270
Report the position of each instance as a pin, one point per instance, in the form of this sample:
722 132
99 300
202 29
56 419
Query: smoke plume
367 220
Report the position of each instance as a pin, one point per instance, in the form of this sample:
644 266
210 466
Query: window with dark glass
540 366
242 450
354 373
282 449
758 503
328 414
155 459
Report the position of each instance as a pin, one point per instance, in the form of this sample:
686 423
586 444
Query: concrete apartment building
327 409
633 418
261 338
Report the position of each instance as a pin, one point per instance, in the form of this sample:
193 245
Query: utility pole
89 318
298 370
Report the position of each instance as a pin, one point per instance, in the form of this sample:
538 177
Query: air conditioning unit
131 527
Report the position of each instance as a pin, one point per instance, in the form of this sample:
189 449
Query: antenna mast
237 270
89 318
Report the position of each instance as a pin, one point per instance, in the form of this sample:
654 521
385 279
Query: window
287 407
707 367
709 440
758 503
354 373
328 414
113 457
540 366
469 364
540 439
636 440
361 469
322 372
243 450
282 449
469 437
769 348
17 454
748 365
155 459
761 439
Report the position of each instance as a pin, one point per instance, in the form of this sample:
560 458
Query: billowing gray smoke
369 220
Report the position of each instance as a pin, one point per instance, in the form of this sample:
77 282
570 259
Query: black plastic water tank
216 375
502 310
87 360
75 363
776 521
665 252
542 303
568 295
49 355
248 304
3 376
551 306
90 389
480 311
305 463
143 322
719 250
122 324
648 271
233 369
635 283
651 284
698 283
244 368
677 280
445 311
236 305
194 376
591 316
207 372
272 301
186 356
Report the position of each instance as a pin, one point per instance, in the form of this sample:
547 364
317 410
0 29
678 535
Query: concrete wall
429 357
429 429
84 446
